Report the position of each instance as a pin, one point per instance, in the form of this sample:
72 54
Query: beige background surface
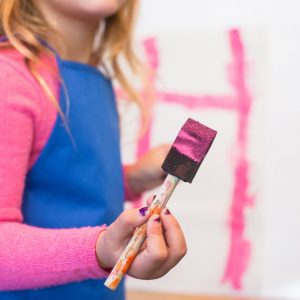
136 295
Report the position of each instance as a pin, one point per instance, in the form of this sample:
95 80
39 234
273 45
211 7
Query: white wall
281 19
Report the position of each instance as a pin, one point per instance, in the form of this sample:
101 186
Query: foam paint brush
181 163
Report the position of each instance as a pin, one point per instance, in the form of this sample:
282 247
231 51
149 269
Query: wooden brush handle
139 236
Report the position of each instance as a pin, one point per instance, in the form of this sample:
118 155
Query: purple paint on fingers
143 211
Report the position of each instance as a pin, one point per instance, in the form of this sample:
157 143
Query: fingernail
157 220
166 211
143 211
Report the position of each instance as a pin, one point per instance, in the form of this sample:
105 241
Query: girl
61 178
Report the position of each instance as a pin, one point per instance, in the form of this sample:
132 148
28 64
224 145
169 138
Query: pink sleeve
32 257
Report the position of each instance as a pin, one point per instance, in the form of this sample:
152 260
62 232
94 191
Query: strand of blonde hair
25 27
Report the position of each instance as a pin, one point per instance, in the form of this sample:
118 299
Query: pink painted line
240 247
120 94
152 55
149 95
198 101
144 143
192 101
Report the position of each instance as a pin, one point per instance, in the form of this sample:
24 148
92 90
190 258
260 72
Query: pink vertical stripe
240 247
149 93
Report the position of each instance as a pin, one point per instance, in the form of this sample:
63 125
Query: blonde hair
25 27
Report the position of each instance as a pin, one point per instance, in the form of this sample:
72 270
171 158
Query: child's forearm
32 257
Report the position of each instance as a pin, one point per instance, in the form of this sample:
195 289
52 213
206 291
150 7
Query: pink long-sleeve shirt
32 257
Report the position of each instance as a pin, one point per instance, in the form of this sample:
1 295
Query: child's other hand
146 173
164 247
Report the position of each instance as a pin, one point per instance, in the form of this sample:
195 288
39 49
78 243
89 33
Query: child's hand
147 173
164 247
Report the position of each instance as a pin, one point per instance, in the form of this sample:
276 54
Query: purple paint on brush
188 150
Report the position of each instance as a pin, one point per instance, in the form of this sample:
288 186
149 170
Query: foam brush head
189 150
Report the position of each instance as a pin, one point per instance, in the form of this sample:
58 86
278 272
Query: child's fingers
127 222
174 238
156 245
165 246
148 263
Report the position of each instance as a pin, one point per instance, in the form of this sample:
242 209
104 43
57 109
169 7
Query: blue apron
79 183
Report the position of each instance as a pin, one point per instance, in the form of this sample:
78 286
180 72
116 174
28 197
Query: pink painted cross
240 102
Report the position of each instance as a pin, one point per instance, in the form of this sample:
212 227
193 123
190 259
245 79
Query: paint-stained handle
139 236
